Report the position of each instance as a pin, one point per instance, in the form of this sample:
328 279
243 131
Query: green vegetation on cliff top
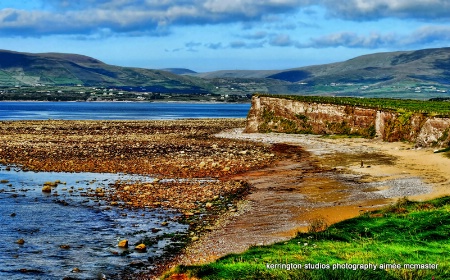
404 233
436 108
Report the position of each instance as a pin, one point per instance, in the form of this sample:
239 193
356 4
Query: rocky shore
203 168
191 169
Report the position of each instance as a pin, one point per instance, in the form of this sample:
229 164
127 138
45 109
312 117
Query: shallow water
90 227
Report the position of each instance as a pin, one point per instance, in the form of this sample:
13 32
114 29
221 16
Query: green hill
58 69
409 74
421 74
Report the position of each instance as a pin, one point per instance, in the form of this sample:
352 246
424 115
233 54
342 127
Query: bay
119 110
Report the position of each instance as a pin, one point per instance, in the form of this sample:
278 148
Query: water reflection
66 233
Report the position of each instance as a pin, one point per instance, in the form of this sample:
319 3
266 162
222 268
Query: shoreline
342 190
294 178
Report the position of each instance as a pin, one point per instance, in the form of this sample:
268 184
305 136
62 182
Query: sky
209 35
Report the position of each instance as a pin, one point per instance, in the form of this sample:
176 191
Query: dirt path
324 182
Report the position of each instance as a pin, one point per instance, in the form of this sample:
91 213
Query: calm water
119 110
90 227
91 230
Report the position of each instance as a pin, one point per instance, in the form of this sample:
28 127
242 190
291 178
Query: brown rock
46 189
20 241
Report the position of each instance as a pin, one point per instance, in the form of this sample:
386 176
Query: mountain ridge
405 74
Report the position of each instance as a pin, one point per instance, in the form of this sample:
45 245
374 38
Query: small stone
51 184
76 270
20 241
226 169
13 214
195 238
141 247
155 230
46 189
123 243
164 224
202 164
208 205
64 246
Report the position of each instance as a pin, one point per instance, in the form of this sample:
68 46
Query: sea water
119 110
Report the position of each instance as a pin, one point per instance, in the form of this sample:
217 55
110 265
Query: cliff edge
285 115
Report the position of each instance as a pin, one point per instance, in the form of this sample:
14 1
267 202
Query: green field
376 245
436 108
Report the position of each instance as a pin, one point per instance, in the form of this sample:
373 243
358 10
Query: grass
405 106
404 233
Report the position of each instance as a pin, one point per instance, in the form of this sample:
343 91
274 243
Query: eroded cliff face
271 114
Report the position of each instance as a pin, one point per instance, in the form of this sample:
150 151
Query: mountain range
410 74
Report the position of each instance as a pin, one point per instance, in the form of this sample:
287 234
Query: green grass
404 233
437 108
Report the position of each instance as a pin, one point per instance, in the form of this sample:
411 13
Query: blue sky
208 35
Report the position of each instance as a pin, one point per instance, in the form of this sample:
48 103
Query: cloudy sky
207 35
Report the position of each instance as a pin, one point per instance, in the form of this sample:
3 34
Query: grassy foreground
376 245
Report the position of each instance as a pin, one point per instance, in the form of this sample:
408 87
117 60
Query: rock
164 224
137 264
46 189
141 247
155 230
208 205
123 243
51 184
64 246
226 168
76 270
20 241
195 238
13 214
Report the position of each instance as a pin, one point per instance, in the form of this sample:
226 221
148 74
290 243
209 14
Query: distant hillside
409 74
179 71
49 69
428 64
420 74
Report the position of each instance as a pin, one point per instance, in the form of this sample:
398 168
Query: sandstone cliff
274 114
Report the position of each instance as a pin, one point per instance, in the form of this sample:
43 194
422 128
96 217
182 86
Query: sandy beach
335 179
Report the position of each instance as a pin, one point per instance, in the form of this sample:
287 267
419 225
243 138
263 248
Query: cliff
275 114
